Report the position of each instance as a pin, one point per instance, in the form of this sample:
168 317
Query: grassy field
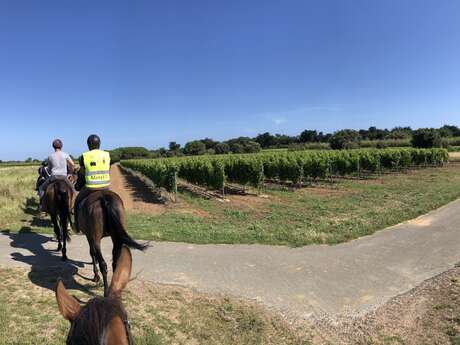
345 211
159 315
323 214
170 315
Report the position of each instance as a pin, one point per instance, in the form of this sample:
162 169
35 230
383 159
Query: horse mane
89 327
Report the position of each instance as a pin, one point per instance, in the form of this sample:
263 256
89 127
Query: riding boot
41 195
41 207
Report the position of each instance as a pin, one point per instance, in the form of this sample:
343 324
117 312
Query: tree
374 133
251 147
265 140
129 153
426 138
284 140
195 148
173 146
222 148
162 151
243 145
209 143
308 136
236 147
344 138
449 131
324 138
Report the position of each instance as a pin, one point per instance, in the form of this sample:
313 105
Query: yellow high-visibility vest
97 168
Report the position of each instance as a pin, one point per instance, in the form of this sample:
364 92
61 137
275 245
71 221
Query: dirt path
135 194
350 278
454 156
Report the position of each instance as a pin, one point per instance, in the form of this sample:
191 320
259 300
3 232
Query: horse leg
57 231
92 252
102 267
116 251
64 237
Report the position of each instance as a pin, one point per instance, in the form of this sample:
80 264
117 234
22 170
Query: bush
309 146
381 144
343 139
426 138
222 148
194 148
251 147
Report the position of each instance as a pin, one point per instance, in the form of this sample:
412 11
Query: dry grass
428 314
17 194
158 314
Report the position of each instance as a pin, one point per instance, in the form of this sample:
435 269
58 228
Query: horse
101 320
59 196
102 214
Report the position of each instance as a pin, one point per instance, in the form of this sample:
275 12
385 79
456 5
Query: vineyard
296 167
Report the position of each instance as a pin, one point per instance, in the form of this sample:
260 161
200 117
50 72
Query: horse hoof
64 258
96 279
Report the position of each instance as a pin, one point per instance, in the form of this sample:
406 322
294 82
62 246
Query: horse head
101 320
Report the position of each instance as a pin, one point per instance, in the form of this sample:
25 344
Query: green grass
350 210
453 148
329 214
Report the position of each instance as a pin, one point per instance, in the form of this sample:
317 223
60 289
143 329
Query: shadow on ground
31 208
45 264
140 190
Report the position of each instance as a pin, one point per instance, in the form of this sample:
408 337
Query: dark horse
101 320
102 214
59 196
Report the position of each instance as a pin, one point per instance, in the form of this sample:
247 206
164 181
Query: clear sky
143 73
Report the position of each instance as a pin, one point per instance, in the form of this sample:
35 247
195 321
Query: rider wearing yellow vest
94 171
97 169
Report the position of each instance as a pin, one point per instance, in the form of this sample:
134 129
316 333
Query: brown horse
59 196
101 320
102 214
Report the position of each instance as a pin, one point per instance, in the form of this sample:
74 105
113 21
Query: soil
454 156
136 195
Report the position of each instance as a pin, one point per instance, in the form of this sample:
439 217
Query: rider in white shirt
57 167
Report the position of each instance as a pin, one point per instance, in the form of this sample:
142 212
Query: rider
57 164
94 173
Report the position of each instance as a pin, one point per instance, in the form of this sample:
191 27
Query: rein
128 331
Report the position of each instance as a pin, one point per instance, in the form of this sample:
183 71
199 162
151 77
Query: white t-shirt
57 163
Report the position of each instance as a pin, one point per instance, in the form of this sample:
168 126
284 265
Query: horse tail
64 210
116 226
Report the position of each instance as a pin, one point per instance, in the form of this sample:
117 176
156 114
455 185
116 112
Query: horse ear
68 305
122 272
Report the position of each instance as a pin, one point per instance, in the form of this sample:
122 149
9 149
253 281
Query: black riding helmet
94 142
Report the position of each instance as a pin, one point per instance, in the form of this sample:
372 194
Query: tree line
341 139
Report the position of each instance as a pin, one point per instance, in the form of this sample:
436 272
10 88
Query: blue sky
143 73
